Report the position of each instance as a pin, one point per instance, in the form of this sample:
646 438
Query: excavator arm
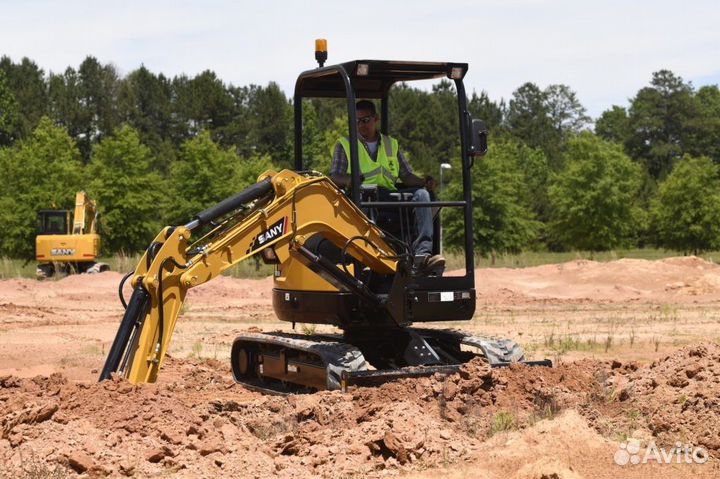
84 219
278 214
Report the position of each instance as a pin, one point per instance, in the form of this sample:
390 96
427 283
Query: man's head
367 119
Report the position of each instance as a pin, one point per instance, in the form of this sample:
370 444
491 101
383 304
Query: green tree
203 103
613 125
85 102
41 172
535 169
566 113
705 136
660 123
27 82
270 121
502 221
128 191
425 124
482 108
145 102
593 200
204 175
315 153
9 118
686 210
528 117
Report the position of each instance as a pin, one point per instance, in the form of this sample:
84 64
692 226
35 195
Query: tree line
154 150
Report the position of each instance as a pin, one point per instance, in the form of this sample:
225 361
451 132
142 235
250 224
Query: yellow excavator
342 258
66 245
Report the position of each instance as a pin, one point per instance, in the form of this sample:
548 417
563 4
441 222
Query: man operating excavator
383 164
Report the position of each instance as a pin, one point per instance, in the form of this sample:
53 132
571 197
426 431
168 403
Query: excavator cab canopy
373 79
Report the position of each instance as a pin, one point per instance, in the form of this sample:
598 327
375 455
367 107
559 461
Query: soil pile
677 280
675 398
197 423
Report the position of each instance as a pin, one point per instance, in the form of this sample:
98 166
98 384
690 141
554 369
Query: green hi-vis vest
383 172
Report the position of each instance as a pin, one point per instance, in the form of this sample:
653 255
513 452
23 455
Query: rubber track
336 355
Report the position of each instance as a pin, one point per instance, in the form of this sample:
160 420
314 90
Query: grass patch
255 268
503 421
197 349
16 268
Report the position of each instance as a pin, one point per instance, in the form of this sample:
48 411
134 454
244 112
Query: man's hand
345 181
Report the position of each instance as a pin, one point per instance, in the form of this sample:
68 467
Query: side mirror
478 138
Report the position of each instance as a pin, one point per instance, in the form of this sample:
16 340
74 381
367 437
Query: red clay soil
518 422
197 423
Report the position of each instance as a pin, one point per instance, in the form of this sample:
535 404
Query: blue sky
604 50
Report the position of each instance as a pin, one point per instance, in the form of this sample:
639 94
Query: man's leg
423 244
423 224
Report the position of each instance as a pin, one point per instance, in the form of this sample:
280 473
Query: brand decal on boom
273 232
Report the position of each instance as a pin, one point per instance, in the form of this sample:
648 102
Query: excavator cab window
53 222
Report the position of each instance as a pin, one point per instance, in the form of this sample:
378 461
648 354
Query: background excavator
341 258
69 245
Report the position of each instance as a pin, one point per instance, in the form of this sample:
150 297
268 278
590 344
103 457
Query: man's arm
339 167
342 180
412 180
406 173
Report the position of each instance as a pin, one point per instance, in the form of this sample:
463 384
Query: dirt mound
197 423
677 397
678 279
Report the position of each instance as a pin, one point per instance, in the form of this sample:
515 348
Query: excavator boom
286 209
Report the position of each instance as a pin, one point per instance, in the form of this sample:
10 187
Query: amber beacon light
321 51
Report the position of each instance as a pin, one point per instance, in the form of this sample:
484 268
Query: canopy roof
329 82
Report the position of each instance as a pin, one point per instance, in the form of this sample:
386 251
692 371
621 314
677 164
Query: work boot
434 262
430 265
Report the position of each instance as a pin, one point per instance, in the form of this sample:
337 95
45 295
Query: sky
604 50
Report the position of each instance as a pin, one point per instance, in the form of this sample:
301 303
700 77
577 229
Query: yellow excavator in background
342 258
60 249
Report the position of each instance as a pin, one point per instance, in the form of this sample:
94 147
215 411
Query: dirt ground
635 391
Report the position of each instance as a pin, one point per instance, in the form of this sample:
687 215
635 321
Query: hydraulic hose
120 288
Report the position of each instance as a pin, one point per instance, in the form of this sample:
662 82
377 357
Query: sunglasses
366 119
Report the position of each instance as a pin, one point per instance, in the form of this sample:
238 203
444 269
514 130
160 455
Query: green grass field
15 268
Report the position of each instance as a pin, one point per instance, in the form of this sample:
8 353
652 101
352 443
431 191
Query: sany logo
62 252
275 231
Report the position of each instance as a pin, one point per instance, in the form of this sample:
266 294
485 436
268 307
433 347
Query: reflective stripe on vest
383 172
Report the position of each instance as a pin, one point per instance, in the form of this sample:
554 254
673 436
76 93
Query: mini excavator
342 258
